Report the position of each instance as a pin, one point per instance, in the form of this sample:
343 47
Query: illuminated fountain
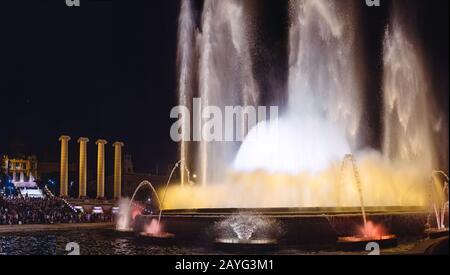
291 168
295 161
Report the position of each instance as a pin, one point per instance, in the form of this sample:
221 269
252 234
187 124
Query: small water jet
126 216
183 170
154 233
369 231
127 213
440 205
247 231
129 210
350 158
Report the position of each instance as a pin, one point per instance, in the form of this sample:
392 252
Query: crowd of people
47 210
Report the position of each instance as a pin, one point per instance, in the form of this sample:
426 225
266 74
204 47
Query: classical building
21 171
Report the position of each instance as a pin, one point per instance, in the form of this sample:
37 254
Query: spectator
14 210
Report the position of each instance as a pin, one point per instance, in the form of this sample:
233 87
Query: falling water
292 162
324 79
225 75
185 65
408 113
324 106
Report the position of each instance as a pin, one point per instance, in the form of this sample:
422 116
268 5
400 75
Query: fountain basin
436 233
124 232
162 238
235 244
359 243
300 226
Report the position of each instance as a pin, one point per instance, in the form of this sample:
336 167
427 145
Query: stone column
101 168
83 167
64 169
118 169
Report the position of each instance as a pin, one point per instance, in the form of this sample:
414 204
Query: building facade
21 171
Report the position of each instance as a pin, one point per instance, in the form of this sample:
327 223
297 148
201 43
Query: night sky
108 70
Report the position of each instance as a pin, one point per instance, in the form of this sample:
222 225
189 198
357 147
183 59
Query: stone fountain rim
302 211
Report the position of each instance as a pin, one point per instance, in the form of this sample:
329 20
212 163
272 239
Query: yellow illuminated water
383 184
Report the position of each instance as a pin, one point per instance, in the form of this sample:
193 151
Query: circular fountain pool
297 226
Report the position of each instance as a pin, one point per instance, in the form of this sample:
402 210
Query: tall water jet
324 78
225 75
185 70
408 101
324 107
294 161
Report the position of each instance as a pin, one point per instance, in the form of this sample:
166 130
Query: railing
48 192
64 200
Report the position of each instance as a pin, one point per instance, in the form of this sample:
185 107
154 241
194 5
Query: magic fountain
311 168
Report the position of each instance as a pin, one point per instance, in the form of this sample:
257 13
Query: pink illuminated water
153 228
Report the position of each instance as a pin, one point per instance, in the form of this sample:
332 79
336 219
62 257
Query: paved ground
4 229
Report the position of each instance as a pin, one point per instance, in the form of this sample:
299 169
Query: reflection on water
105 242
99 242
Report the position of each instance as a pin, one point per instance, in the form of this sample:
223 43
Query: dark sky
108 70
102 70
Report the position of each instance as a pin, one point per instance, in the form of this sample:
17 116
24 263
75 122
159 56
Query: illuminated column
118 169
64 170
101 168
83 167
